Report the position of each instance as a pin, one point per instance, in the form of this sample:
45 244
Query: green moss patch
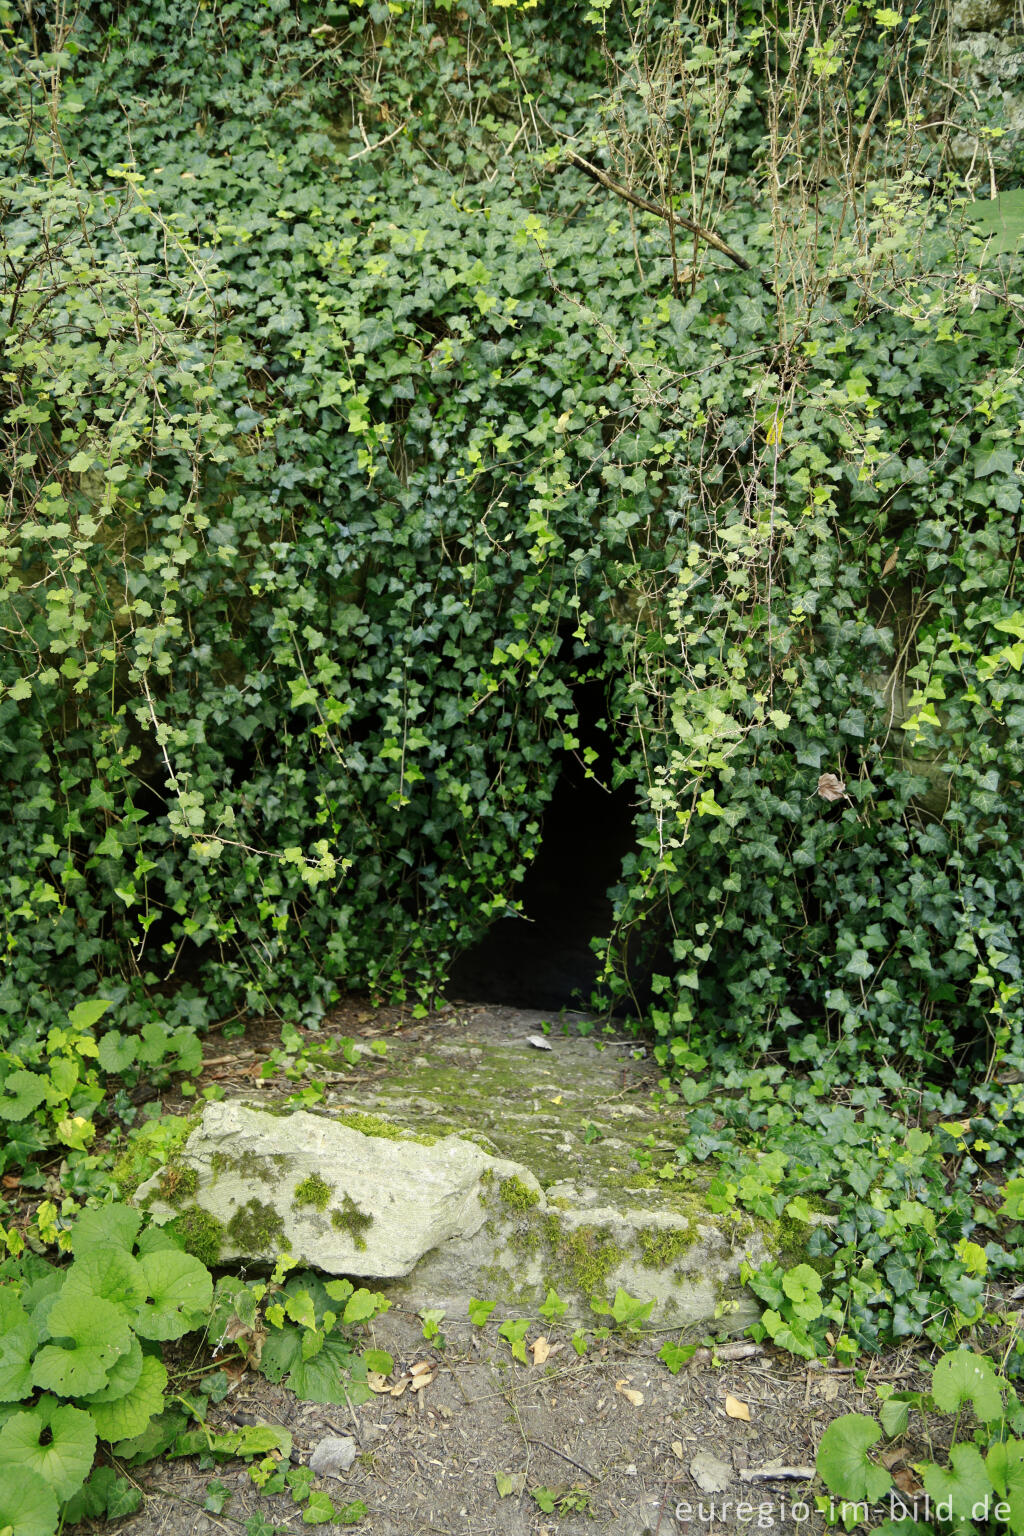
349 1218
517 1195
256 1228
313 1191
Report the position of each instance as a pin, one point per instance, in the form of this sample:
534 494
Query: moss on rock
202 1233
349 1218
313 1191
256 1228
517 1195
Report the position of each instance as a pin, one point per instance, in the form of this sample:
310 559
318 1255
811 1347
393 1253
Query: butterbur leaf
895 1416
105 1227
112 1274
129 1414
22 1093
965 1484
18 1339
98 1336
27 1507
179 1290
844 1463
116 1052
121 1378
65 1460
1005 1463
962 1376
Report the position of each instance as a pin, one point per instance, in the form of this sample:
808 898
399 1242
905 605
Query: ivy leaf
965 1483
159 1434
963 1376
64 1462
26 1508
129 1414
319 1510
99 1337
844 1463
179 1291
92 1499
675 1356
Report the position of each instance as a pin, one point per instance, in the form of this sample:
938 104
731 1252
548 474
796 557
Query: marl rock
479 1167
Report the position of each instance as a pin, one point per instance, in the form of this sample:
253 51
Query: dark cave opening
544 959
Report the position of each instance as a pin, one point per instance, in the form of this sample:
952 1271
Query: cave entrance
543 959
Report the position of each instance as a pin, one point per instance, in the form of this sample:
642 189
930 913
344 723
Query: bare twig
668 214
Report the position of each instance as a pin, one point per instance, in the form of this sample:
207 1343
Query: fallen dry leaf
540 1349
376 1382
421 1367
832 788
628 1392
735 1409
890 564
400 1386
907 1483
419 1382
829 1389
677 1449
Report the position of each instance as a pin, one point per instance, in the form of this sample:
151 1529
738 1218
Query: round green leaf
27 1506
1005 1463
964 1376
22 1093
112 1274
179 1292
121 1378
18 1339
965 1484
129 1415
65 1461
105 1227
844 1463
99 1336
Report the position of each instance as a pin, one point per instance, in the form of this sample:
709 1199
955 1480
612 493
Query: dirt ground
607 1441
429 1461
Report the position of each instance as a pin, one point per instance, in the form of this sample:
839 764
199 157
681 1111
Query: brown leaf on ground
629 1393
735 1409
540 1349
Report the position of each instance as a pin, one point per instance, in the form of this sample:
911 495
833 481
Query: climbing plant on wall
351 417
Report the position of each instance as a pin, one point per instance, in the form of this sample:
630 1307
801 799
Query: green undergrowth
895 1207
84 1390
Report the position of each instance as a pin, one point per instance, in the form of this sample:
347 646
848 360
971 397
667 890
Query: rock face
488 1168
990 54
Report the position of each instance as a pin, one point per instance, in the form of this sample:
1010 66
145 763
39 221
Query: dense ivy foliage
350 425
